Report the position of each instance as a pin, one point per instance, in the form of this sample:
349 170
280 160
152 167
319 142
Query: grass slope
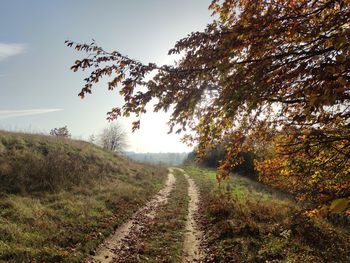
245 221
59 198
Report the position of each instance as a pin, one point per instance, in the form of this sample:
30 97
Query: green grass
60 198
248 222
163 239
167 234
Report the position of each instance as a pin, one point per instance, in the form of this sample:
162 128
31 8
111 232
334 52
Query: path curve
108 250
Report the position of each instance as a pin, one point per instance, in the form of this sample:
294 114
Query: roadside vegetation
245 221
60 198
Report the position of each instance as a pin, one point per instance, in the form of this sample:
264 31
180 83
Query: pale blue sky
34 62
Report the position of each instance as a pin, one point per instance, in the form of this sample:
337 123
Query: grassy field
245 221
59 198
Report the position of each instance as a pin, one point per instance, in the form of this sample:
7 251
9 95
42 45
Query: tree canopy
264 72
113 138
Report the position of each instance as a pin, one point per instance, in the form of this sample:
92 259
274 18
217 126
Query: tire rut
121 242
192 242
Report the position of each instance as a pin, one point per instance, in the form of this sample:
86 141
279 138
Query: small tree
60 132
92 138
113 138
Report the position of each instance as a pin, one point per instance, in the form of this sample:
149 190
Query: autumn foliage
267 76
317 172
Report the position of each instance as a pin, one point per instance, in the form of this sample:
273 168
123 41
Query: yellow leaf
339 205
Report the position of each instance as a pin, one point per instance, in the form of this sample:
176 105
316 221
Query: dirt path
193 236
125 241
117 244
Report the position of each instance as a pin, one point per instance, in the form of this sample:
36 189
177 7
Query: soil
122 242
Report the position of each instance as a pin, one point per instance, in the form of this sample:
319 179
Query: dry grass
248 222
36 163
59 198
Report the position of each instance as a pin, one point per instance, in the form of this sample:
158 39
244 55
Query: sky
38 91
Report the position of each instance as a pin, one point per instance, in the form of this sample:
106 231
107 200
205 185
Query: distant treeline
214 156
158 158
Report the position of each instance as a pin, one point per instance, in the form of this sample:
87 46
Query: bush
60 132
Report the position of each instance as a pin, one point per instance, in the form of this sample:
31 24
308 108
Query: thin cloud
8 50
20 113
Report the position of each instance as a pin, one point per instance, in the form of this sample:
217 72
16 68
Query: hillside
59 198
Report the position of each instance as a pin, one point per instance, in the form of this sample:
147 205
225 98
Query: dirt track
193 235
121 243
111 250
